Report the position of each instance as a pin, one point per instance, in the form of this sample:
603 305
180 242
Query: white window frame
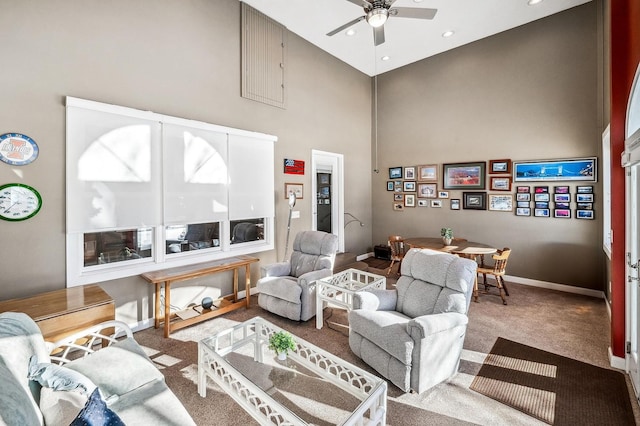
78 274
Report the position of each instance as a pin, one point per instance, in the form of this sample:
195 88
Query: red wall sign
293 167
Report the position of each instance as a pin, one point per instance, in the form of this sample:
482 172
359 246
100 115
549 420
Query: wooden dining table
461 247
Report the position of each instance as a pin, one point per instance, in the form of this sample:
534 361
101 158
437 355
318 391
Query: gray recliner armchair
413 335
288 288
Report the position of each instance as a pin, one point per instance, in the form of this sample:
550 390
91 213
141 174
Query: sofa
90 378
288 288
413 334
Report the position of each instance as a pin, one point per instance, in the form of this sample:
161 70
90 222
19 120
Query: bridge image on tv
577 170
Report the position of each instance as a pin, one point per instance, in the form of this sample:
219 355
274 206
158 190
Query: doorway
633 261
631 162
327 189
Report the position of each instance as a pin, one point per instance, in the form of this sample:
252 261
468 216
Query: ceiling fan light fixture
377 17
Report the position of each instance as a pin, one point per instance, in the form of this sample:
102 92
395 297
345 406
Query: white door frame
632 299
335 162
631 162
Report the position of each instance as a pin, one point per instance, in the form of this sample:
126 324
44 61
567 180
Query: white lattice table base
368 388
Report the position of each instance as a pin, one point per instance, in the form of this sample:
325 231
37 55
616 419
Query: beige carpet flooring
566 324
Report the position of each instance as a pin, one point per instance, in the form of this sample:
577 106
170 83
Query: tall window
147 191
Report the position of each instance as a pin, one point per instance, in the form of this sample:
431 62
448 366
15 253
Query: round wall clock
18 202
17 149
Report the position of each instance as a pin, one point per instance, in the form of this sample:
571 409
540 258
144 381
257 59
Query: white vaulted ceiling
407 40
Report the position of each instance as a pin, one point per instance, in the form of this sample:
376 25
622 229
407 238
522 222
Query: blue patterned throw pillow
96 413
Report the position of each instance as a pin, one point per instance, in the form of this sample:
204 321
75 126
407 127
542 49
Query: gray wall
181 59
525 94
529 93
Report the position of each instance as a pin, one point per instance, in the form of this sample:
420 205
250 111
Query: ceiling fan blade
345 26
361 3
413 12
378 35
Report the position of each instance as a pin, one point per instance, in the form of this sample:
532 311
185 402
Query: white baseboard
364 256
553 286
616 361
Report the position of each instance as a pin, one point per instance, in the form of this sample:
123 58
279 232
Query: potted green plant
447 236
282 342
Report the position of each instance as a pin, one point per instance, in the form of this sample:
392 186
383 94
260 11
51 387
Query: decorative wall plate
17 149
18 202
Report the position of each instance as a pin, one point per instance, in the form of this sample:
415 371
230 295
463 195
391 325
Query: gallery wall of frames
535 188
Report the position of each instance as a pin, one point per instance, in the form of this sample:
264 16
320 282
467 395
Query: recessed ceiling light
418 1
448 33
350 32
533 2
385 58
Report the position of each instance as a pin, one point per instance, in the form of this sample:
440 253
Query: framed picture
523 197
443 194
398 197
523 211
423 203
523 189
464 175
395 172
562 213
574 169
542 197
474 200
585 206
455 204
397 186
499 167
584 214
542 205
541 212
409 186
427 190
562 205
500 202
562 198
390 185
541 189
428 173
522 204
295 188
499 183
584 198
409 200
561 189
585 189
398 206
436 203
410 173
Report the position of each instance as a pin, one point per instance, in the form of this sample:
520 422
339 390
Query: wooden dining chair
498 270
397 245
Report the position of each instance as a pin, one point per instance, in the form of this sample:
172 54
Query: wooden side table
180 273
60 313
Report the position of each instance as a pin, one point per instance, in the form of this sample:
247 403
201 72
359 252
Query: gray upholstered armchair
413 335
288 288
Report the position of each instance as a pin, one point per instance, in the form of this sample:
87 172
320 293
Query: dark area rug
555 389
377 263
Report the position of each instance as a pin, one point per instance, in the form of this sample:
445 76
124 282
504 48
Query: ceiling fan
377 12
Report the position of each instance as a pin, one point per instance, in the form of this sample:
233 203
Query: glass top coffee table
311 386
338 289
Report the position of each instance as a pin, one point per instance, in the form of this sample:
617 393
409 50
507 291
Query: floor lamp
292 203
